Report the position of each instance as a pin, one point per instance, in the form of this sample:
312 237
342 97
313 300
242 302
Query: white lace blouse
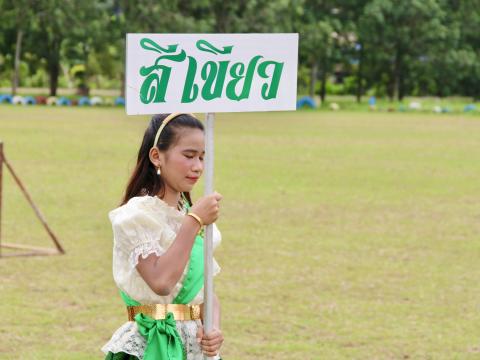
146 225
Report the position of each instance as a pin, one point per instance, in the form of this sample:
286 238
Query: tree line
391 48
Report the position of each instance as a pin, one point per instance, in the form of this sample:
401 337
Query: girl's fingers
213 342
211 351
212 347
215 345
212 334
217 196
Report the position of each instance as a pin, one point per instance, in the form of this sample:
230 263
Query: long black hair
144 179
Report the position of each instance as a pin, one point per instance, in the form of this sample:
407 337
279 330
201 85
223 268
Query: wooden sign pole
1 181
208 245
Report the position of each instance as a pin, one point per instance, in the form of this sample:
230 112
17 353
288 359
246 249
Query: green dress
162 341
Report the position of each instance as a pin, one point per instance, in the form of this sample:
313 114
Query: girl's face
182 163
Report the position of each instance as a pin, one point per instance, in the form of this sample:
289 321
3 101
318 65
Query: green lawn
345 235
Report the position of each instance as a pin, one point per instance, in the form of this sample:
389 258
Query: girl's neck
172 198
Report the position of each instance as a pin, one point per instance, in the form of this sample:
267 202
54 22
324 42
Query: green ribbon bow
163 340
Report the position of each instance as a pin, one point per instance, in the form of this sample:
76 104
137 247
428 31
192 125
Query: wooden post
1 180
35 250
208 244
34 207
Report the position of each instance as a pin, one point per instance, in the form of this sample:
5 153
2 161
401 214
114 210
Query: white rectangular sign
211 72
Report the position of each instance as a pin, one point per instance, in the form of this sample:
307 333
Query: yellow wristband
196 217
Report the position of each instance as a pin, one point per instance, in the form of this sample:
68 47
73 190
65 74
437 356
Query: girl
158 248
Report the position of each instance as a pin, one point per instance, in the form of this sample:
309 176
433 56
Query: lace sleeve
138 232
144 250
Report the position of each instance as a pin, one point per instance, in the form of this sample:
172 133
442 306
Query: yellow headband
165 122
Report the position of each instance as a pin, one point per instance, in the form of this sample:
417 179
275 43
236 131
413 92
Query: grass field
345 235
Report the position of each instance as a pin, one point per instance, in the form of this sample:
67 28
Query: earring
158 172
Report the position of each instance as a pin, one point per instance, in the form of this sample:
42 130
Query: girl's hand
211 342
207 208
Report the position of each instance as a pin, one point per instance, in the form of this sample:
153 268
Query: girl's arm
161 273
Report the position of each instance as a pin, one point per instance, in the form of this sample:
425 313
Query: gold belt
160 311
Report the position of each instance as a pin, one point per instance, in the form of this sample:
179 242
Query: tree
88 39
353 52
16 17
397 34
466 14
321 37
54 22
